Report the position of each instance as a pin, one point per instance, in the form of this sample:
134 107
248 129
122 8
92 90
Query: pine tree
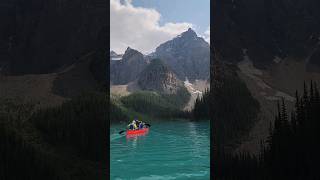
294 121
311 92
297 111
305 94
278 119
316 95
284 115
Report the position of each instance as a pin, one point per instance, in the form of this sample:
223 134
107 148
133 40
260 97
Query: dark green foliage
236 167
20 158
151 103
233 108
70 141
121 114
180 99
292 149
201 107
79 123
117 112
157 98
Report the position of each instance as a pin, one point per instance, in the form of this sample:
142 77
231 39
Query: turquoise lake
178 149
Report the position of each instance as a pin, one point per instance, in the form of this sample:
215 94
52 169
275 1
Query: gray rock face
157 76
187 55
266 28
114 56
128 68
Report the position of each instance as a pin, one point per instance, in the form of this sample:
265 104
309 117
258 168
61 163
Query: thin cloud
207 35
139 27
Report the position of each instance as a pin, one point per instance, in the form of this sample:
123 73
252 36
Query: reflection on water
194 137
133 141
171 150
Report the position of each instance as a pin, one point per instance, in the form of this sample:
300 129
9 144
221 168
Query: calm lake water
171 150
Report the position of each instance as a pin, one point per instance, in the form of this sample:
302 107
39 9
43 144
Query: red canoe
138 131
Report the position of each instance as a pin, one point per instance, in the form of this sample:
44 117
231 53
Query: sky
145 24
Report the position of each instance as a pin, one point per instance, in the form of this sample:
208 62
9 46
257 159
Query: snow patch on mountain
116 58
196 90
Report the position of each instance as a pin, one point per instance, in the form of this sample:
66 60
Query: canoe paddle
121 132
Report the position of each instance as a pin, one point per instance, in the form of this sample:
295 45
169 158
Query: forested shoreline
233 110
62 142
150 104
290 152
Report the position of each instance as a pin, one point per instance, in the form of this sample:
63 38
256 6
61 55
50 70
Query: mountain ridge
187 54
275 47
267 29
189 57
128 68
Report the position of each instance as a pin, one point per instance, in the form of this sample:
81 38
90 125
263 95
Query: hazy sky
144 24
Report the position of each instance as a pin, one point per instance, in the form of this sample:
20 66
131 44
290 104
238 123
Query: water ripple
171 150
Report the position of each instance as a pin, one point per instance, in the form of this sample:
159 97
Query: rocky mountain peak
189 33
157 76
112 53
128 68
129 48
188 55
114 56
129 53
262 28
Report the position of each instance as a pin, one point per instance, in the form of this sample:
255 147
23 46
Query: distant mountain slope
128 68
267 29
196 90
114 56
275 47
30 88
157 76
41 36
52 89
188 55
86 75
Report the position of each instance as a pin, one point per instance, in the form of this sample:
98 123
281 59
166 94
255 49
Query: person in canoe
141 125
136 124
130 126
133 125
